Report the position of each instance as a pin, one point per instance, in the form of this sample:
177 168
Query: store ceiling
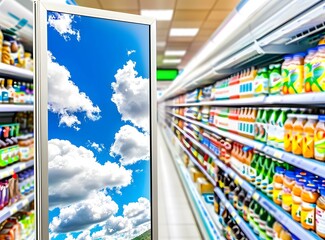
206 15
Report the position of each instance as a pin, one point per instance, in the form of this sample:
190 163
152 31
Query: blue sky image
98 128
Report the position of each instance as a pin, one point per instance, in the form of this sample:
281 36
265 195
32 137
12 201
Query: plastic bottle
258 121
261 82
278 185
257 218
309 196
271 130
318 68
264 125
240 203
246 204
11 91
251 213
269 179
296 199
285 74
288 183
253 167
320 214
275 79
298 134
279 129
5 92
259 171
285 235
308 140
319 139
308 71
296 74
288 126
262 223
264 174
277 229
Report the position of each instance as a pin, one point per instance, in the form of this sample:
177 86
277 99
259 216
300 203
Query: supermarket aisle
176 220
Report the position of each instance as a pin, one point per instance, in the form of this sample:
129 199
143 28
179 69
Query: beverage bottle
261 82
318 68
275 79
253 167
288 183
279 129
251 213
285 74
257 218
269 179
296 74
319 138
258 121
269 227
297 134
288 126
271 132
11 91
236 192
247 164
278 185
264 173
308 71
259 171
264 125
263 214
4 91
308 140
309 196
320 213
246 204
296 198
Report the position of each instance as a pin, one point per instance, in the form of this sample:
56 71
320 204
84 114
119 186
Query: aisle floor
176 220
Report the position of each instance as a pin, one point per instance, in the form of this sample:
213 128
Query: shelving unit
309 165
209 224
17 167
9 211
239 220
9 71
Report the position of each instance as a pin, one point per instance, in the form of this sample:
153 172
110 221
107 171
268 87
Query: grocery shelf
295 99
9 211
309 165
16 107
17 167
206 221
233 212
197 164
284 218
9 71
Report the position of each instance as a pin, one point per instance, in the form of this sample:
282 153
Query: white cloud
98 147
74 173
131 96
65 98
131 145
62 23
80 216
130 52
135 221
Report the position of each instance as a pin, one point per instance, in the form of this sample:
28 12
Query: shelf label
238 220
238 181
278 154
256 196
233 214
13 210
227 204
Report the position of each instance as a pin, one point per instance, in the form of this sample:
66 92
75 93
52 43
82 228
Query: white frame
41 110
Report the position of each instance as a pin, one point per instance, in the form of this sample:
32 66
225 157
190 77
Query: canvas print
98 128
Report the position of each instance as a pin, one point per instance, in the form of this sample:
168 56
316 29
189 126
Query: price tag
227 205
238 181
13 210
11 172
233 214
238 220
278 154
232 174
256 196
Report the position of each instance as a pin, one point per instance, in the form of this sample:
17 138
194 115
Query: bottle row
295 190
19 226
298 131
12 52
16 92
299 73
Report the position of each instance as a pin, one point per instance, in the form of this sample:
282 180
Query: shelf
17 167
309 165
206 221
233 212
16 107
9 71
197 164
284 218
9 211
296 99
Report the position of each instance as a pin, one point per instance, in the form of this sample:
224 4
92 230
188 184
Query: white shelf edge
16 107
12 71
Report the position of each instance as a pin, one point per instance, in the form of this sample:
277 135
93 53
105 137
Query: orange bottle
278 185
308 140
288 126
297 134
309 196
296 199
320 214
288 183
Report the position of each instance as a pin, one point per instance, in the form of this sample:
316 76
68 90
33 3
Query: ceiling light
183 32
159 15
175 52
171 61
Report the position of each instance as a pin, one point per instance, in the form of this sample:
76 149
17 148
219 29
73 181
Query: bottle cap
9 82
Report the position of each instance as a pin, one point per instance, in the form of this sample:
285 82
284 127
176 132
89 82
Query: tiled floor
176 220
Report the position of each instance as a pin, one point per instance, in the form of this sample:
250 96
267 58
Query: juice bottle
296 199
269 227
251 213
320 214
318 68
271 131
285 235
247 164
259 170
298 134
279 129
264 172
264 125
308 71
285 74
288 126
309 196
257 219
277 229
246 203
258 121
278 185
288 183
308 140
261 82
240 203
296 74
319 139
262 223
275 79
253 167
269 179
